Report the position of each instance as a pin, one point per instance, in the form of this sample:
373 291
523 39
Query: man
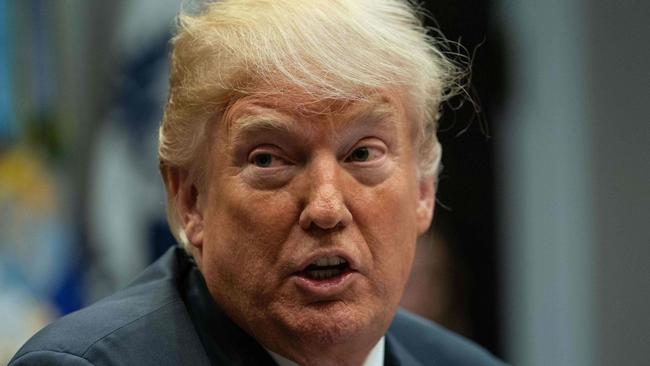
299 154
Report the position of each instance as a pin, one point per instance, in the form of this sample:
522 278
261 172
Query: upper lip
312 258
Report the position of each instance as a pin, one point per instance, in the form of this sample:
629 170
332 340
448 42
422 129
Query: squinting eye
359 154
263 160
367 153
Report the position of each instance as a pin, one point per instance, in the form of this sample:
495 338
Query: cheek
245 231
386 216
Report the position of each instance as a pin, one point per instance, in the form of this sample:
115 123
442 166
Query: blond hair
330 49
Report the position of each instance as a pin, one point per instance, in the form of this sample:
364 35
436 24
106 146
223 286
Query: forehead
299 111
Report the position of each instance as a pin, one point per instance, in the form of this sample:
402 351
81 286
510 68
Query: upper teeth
329 261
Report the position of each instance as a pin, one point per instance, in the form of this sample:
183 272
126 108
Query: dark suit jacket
167 317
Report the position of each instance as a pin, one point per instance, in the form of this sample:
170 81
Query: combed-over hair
342 50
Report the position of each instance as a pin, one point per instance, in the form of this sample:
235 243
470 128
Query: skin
288 179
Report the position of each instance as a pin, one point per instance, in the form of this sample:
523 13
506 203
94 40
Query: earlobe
425 204
187 205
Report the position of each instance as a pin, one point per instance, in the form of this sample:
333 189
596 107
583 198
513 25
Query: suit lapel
224 342
397 355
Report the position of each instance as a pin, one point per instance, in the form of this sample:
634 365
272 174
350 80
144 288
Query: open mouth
326 268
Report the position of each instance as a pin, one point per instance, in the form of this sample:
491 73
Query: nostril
325 206
324 217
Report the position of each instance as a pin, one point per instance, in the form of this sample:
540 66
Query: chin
332 323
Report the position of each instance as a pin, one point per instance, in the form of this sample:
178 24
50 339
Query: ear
424 211
187 203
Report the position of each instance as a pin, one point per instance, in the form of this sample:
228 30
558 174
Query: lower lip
326 289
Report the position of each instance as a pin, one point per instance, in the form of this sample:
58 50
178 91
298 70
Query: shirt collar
375 357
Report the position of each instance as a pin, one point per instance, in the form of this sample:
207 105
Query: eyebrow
376 115
267 121
272 120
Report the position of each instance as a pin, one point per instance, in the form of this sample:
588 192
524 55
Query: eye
368 151
267 167
359 154
265 159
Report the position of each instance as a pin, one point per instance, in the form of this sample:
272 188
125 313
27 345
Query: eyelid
274 151
371 143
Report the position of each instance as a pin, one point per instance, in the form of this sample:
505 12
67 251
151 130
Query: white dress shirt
375 357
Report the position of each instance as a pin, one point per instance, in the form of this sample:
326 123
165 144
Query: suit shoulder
139 314
429 341
36 358
76 333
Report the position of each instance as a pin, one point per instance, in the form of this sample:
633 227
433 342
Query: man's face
310 217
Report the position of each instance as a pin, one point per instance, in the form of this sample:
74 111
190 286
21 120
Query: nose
325 206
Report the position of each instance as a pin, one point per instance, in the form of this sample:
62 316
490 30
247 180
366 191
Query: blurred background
540 249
